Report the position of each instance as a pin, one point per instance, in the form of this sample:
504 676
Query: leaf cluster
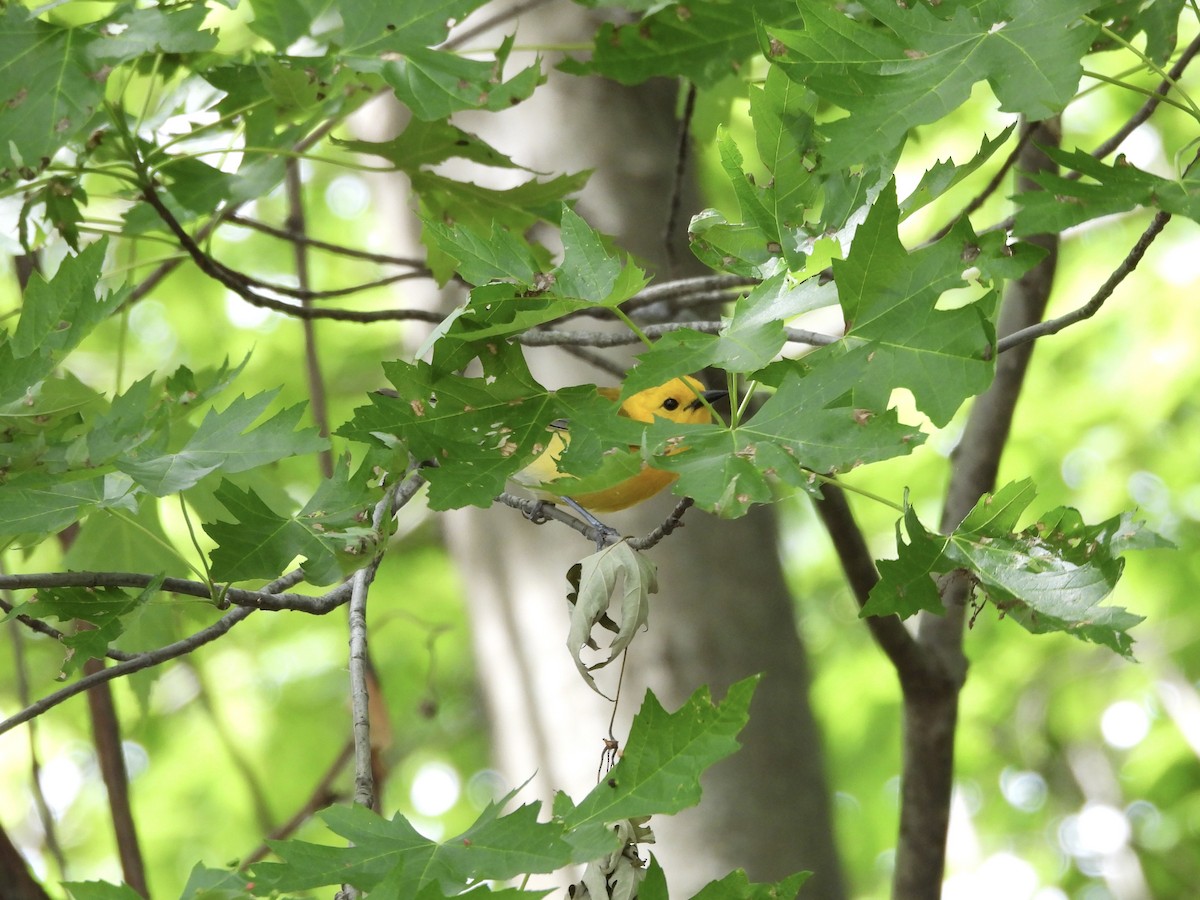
127 126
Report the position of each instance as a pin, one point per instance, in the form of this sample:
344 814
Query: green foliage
389 858
198 108
923 62
1050 576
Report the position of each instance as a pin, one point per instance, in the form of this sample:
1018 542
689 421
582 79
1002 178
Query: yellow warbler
678 400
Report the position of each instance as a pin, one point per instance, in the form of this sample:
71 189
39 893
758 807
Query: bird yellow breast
677 400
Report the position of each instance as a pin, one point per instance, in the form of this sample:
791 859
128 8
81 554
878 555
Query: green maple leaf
228 441
49 89
55 316
262 543
1104 190
1051 576
106 608
945 174
922 64
42 504
480 257
889 299
479 208
736 884
749 339
664 755
429 143
703 42
434 84
590 275
137 32
391 855
478 431
100 890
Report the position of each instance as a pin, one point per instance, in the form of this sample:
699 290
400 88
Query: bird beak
711 397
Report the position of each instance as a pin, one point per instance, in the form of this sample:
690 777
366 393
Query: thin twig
51 632
540 511
675 294
297 226
322 796
621 338
338 249
605 364
45 818
238 283
139 662
1089 309
302 293
364 780
1151 104
263 599
673 521
681 156
151 281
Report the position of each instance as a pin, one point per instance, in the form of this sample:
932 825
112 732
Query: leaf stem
1149 63
187 520
1099 76
862 492
166 545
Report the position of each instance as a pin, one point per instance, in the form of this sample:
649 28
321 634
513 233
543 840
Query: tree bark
931 690
15 881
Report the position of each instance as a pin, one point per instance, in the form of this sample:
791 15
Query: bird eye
670 404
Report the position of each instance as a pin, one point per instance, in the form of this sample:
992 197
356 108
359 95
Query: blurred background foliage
1069 757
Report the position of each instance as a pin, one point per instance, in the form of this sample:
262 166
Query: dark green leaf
889 297
100 890
944 174
371 28
664 755
480 257
44 505
434 83
214 884
1051 576
333 526
226 440
1157 19
478 431
737 886
906 584
589 271
49 89
56 315
921 65
805 427
749 339
392 853
154 29
701 41
429 143
1102 191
